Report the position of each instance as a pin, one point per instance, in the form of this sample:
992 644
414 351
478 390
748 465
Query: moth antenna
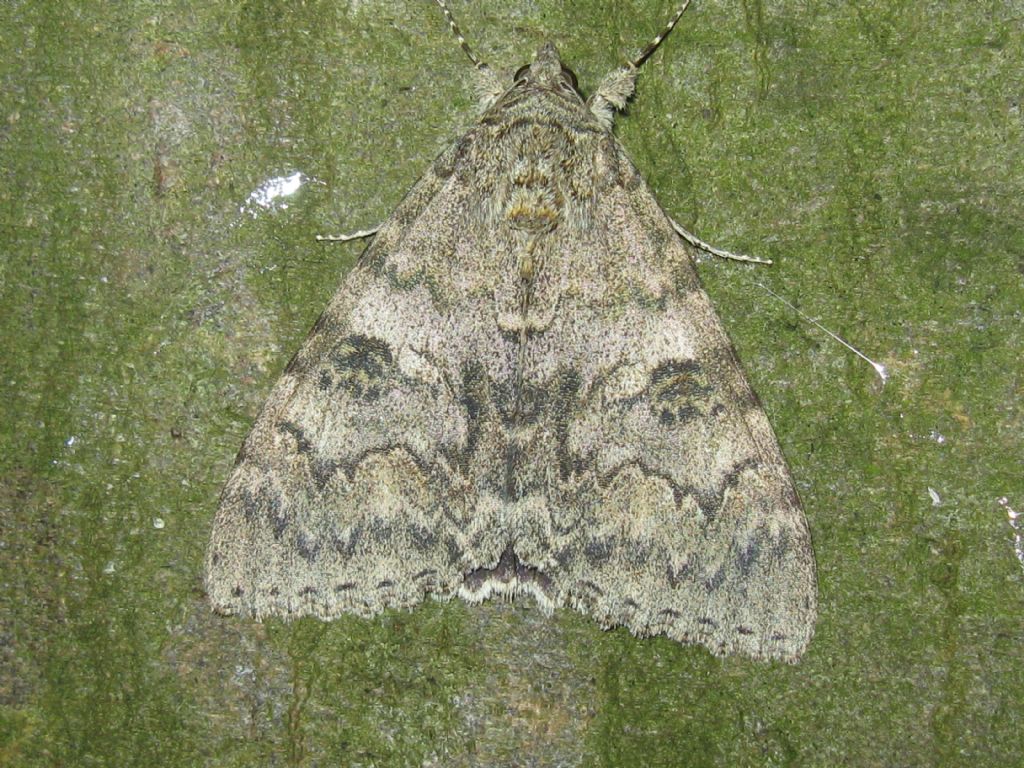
880 369
617 88
459 36
489 86
652 46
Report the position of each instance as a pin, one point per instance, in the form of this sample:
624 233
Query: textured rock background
147 303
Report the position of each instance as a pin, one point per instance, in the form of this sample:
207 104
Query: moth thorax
534 202
534 209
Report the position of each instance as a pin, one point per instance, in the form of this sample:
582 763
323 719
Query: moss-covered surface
873 149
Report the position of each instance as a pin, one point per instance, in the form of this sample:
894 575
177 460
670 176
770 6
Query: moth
522 388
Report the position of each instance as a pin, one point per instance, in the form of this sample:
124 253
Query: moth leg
700 245
361 234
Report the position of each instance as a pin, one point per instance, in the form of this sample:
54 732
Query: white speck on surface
109 567
158 523
936 499
243 674
1018 540
271 194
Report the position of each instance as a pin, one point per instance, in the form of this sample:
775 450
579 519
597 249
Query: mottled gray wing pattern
523 388
357 488
673 510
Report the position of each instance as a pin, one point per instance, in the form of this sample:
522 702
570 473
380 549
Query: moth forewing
522 388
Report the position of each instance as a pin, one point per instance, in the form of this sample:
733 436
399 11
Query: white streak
879 368
1018 540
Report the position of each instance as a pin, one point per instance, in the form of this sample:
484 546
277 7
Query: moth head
548 71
